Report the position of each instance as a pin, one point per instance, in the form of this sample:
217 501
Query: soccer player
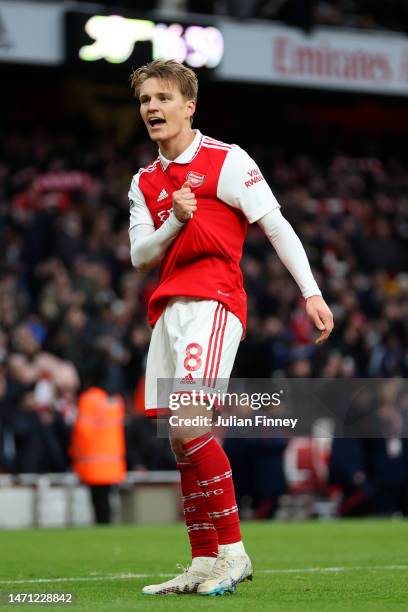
189 211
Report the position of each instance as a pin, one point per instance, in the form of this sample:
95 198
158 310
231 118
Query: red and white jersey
203 261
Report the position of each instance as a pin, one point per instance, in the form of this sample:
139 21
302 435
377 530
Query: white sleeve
290 251
147 245
242 186
139 213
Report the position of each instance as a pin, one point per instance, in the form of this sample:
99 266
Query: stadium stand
71 304
361 14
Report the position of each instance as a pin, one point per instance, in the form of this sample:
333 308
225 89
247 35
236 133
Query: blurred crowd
362 14
73 310
306 14
366 14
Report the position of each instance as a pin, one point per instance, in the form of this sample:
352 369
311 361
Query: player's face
164 110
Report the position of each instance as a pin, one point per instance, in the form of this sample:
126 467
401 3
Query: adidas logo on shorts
188 379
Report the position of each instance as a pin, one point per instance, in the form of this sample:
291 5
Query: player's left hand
321 315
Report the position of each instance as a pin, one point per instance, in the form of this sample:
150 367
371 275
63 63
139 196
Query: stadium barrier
60 500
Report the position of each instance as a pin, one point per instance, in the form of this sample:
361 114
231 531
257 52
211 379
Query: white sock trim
198 562
237 548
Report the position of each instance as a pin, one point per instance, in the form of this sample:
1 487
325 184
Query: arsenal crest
195 179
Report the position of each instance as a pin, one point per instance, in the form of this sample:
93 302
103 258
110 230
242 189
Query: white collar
186 156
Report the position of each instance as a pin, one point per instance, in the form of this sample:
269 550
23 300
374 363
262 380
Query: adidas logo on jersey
162 195
188 379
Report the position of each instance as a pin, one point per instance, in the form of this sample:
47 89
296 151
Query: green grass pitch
298 567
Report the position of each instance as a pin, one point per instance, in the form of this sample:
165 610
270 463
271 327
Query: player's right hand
184 203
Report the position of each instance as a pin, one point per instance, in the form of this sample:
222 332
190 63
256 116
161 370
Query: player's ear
191 106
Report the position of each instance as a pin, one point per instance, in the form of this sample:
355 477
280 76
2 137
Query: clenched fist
184 203
321 315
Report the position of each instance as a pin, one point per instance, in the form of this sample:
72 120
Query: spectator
98 447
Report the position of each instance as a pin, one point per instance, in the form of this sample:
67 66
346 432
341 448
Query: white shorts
193 344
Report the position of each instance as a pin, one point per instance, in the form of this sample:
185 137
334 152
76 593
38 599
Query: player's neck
174 147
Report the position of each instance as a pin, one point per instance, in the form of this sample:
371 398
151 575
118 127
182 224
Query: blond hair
167 70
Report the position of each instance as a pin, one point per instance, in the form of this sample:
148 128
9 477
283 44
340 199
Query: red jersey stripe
215 141
212 145
150 168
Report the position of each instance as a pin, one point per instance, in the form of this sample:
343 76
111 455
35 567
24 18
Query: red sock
201 531
215 479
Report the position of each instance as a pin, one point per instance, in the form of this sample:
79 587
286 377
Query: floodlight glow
168 42
115 38
205 45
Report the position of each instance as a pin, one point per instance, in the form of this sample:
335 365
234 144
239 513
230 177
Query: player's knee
177 442
177 448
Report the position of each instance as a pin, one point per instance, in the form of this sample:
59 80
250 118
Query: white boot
228 571
186 582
